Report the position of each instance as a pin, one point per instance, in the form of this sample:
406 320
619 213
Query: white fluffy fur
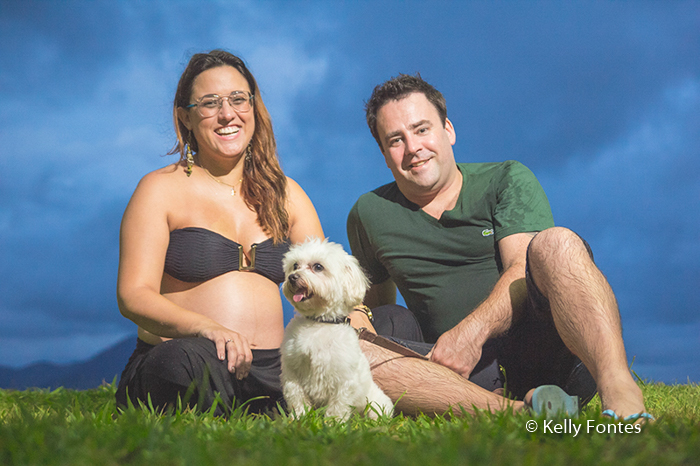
322 364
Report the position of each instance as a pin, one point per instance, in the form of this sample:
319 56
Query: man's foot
624 401
638 417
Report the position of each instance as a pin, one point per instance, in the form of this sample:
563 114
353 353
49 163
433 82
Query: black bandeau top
197 255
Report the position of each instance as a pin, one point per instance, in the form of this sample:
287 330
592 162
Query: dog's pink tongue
298 297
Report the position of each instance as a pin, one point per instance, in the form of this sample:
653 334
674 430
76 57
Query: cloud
543 83
601 102
77 151
288 74
633 200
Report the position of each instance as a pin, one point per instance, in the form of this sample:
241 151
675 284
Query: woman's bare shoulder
158 186
294 189
165 178
295 194
168 174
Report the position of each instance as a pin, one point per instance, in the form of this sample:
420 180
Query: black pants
189 369
531 354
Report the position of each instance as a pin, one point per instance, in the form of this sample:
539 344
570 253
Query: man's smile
417 164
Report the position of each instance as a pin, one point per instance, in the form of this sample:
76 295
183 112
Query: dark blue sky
600 99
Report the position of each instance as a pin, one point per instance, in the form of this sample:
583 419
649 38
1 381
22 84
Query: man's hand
460 347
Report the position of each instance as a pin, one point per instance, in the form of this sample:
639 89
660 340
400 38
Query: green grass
83 427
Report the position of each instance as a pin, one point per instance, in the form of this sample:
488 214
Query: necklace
232 186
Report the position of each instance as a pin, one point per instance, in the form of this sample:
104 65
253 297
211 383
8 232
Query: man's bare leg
421 386
586 315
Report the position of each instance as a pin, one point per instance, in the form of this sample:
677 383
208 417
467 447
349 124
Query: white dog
322 364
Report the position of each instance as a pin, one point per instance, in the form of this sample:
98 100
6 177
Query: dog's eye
318 267
295 266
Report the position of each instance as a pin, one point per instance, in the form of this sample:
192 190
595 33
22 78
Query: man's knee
396 321
556 245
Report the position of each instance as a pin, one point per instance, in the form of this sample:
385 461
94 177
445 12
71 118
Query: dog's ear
288 259
357 282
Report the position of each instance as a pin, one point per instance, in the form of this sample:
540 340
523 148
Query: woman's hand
231 346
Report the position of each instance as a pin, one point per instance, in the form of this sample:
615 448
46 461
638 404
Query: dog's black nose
293 278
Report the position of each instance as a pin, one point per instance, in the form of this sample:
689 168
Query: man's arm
383 293
460 347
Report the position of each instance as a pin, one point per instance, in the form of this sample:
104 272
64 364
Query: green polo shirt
444 268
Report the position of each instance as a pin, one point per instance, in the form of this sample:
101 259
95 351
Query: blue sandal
632 417
552 401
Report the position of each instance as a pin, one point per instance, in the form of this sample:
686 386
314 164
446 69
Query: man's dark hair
396 89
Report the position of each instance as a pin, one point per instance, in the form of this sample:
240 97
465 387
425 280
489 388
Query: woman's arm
144 239
303 219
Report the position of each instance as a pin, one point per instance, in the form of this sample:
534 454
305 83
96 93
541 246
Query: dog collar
327 320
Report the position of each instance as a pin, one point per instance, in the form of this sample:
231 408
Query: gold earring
190 160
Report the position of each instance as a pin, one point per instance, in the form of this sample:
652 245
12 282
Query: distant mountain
80 376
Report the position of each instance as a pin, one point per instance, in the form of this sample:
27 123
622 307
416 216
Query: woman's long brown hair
264 185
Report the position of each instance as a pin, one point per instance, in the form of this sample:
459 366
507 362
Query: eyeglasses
210 104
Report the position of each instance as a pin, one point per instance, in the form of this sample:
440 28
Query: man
474 251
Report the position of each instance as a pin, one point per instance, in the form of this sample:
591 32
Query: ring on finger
229 340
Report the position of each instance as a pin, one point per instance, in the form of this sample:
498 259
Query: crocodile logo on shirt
487 232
